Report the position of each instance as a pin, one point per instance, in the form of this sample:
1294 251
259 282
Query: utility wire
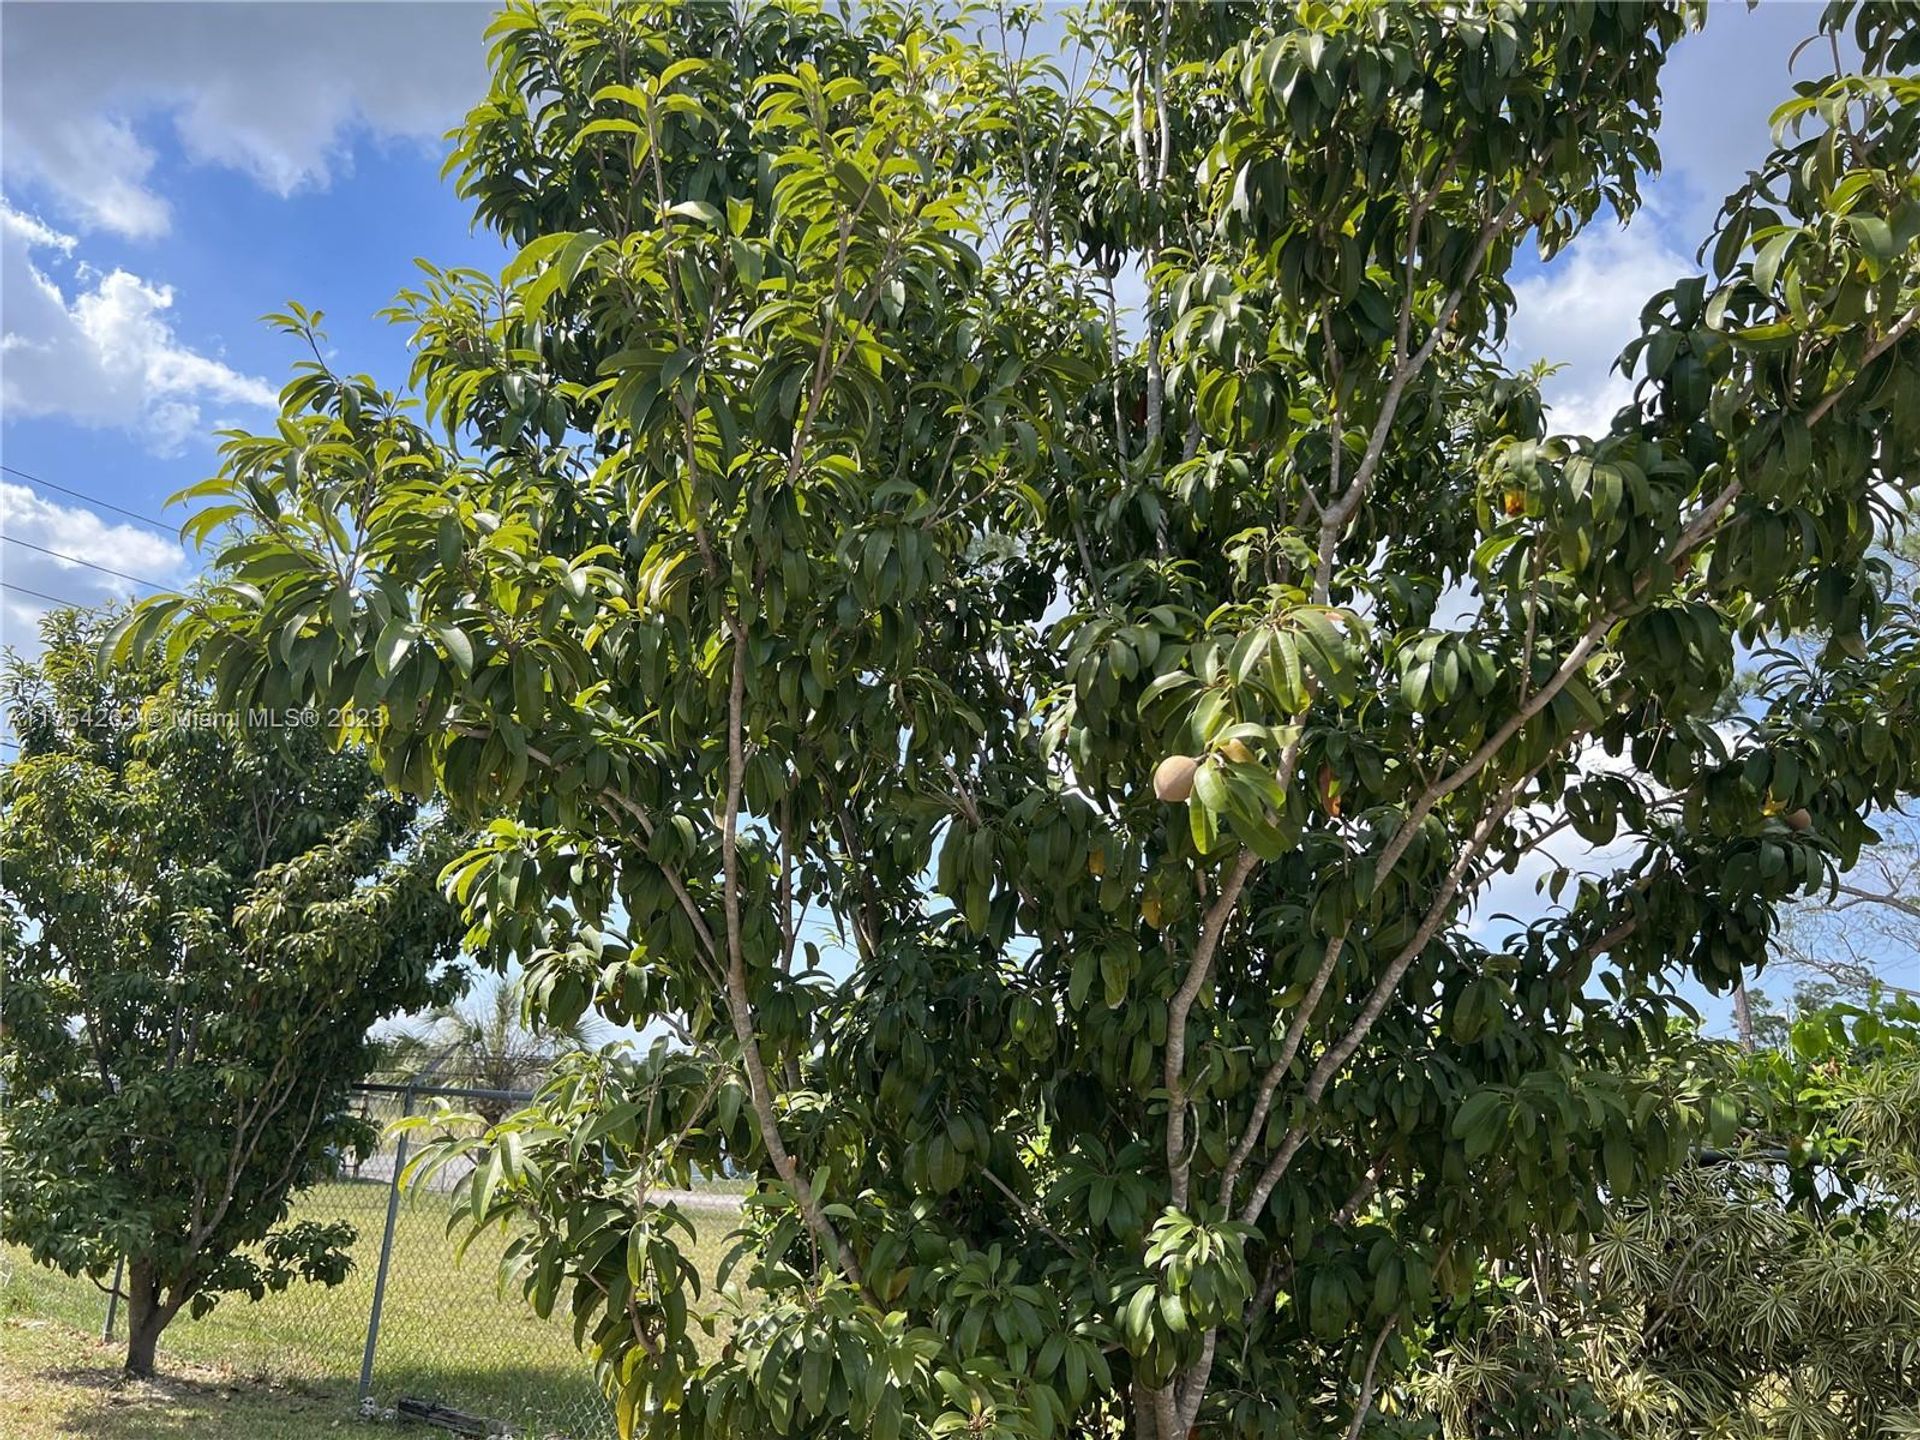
76 560
42 595
94 501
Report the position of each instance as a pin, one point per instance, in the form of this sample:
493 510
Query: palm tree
483 1042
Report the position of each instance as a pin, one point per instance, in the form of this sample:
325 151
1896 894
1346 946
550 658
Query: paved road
380 1168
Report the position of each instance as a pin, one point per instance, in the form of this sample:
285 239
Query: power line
76 560
92 500
42 595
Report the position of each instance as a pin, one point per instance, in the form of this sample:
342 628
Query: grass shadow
59 1383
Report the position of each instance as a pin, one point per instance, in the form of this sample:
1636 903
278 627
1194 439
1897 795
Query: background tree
201 920
483 1041
1771 1291
1866 932
791 519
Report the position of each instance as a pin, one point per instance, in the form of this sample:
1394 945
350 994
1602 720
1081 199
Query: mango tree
799 526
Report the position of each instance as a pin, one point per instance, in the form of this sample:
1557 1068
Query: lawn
59 1383
446 1332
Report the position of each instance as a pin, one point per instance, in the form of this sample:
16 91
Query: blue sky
173 171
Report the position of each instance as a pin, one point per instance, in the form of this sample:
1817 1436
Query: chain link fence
416 1327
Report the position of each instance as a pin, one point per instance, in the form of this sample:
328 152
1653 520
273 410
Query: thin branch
1340 512
1031 1215
1874 352
1199 968
1337 1056
622 804
1363 1192
739 1004
1873 897
1576 659
1151 177
1366 1384
1270 1082
789 925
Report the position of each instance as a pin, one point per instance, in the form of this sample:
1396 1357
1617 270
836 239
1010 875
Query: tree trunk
1743 1015
1144 1426
146 1318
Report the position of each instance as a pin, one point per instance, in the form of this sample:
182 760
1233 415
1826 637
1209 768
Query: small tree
769 539
201 921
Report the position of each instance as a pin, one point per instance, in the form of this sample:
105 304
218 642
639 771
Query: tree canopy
200 922
796 524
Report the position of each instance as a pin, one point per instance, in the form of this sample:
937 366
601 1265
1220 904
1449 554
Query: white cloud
105 355
30 520
1581 311
1719 92
274 91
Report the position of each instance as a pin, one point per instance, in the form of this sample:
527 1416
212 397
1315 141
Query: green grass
59 1383
446 1332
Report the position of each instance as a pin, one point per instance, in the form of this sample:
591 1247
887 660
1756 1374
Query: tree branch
1366 1385
1193 1390
1270 1082
739 1003
1337 1056
1576 659
1874 897
1340 512
1874 352
1179 1165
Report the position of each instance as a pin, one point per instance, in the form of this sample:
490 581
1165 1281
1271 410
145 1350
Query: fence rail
417 1326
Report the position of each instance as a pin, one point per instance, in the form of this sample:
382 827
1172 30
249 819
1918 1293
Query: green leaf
1478 1122
454 640
608 126
396 639
698 210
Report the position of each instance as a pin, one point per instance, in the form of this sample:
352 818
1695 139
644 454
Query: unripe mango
1173 778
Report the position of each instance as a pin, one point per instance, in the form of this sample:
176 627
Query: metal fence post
113 1297
386 1253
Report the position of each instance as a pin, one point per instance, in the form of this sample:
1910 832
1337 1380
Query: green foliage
201 921
1770 1292
793 522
